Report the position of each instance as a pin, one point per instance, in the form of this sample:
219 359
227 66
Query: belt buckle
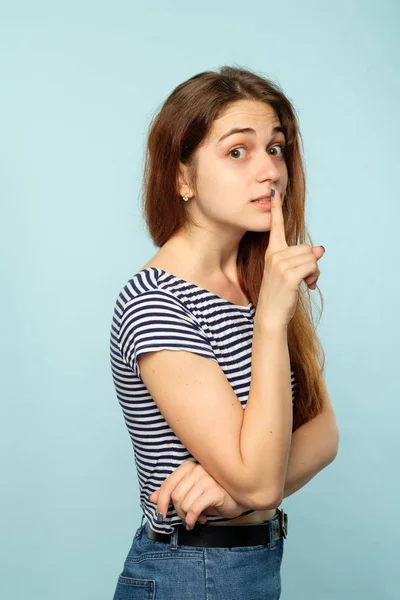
283 521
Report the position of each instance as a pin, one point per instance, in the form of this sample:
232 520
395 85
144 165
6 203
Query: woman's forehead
242 114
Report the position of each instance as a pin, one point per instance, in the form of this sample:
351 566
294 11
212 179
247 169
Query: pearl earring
185 197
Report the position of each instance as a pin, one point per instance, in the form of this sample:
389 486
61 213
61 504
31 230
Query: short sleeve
157 320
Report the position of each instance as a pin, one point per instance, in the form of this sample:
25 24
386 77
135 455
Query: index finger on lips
277 238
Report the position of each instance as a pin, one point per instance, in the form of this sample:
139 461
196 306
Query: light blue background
79 84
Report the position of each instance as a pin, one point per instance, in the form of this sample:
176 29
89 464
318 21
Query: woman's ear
183 179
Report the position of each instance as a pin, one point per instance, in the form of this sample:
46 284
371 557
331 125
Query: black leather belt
227 536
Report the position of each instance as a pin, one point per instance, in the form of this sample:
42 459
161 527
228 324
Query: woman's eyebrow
250 130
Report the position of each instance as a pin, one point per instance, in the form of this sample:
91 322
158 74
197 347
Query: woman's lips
266 197
262 204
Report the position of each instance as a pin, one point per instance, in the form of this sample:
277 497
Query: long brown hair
182 123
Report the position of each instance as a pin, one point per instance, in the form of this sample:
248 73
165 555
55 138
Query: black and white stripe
156 310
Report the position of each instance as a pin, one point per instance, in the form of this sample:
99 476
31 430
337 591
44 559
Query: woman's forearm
314 446
266 431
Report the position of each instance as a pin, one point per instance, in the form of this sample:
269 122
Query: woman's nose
267 168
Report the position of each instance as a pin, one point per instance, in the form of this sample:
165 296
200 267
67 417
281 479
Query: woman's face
233 171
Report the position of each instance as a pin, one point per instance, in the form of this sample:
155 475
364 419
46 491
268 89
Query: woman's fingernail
323 248
159 518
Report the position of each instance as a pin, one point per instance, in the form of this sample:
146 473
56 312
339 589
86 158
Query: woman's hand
192 491
285 268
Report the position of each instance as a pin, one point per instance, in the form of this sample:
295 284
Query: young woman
215 358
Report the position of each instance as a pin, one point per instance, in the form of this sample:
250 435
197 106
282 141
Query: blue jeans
170 571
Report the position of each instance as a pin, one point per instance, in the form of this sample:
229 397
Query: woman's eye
239 148
235 150
281 146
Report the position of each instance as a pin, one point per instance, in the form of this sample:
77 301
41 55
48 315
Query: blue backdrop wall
80 82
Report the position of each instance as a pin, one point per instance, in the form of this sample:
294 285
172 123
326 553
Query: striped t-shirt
156 310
